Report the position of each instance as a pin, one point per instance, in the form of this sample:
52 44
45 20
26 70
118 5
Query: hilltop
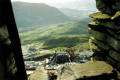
36 14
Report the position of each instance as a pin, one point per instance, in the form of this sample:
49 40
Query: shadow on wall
11 60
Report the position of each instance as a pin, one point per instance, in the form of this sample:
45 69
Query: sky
47 1
73 4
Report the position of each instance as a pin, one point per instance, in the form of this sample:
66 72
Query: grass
65 41
58 37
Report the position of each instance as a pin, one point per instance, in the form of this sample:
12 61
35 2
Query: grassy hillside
75 14
65 41
64 35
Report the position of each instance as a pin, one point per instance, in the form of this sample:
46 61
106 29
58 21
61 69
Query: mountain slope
55 31
36 14
76 14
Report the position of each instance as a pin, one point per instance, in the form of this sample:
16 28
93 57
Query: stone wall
11 59
105 32
7 60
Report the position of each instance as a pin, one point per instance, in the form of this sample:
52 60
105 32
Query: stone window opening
106 18
69 53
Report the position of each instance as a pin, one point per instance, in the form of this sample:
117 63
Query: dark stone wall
11 59
105 32
7 58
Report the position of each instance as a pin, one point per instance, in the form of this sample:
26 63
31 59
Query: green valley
59 36
51 27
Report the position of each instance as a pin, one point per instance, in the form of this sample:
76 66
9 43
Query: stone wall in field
105 32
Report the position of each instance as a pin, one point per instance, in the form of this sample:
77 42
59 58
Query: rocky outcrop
105 32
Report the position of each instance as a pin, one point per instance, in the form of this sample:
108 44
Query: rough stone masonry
105 32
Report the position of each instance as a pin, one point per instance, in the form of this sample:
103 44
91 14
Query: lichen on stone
114 43
93 24
89 29
117 15
108 24
115 55
114 34
100 44
97 34
99 15
92 46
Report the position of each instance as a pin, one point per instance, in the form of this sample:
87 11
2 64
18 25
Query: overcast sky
51 1
74 4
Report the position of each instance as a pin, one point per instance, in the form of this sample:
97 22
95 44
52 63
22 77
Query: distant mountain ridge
36 14
74 4
76 14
